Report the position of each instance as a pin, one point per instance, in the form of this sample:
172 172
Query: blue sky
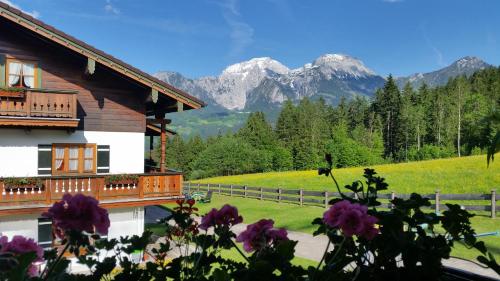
201 37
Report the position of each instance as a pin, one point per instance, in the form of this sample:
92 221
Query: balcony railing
38 106
47 190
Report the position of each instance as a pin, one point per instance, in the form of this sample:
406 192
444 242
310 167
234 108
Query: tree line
396 125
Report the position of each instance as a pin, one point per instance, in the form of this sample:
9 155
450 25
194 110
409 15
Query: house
74 119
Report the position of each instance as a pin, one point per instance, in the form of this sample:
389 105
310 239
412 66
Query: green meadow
452 175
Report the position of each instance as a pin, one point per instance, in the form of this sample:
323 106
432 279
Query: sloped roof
99 56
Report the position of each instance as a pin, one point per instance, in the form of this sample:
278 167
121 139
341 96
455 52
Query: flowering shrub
78 213
260 235
369 242
19 246
352 219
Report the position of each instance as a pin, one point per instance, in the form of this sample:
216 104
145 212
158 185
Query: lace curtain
14 73
59 157
73 158
88 163
29 75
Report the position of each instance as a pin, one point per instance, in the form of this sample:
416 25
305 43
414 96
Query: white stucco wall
19 149
25 225
124 222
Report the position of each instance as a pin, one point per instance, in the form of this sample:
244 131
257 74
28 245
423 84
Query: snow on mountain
264 83
258 81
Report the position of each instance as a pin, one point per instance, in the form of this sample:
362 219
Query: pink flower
79 213
227 215
208 220
352 219
261 234
21 245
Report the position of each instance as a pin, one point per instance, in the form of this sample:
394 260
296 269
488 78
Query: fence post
219 188
393 195
493 203
261 195
279 194
436 201
326 199
231 190
245 191
208 187
301 194
198 187
189 187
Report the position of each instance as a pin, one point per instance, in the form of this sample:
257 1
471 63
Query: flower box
13 93
123 179
22 183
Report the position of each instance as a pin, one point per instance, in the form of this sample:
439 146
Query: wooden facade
75 87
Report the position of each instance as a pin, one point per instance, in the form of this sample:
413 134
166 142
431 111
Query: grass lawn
453 175
296 218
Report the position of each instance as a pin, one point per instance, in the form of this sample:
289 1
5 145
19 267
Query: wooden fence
306 197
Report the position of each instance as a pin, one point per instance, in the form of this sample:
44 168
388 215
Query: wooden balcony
149 189
38 108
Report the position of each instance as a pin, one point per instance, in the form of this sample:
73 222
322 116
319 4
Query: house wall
124 221
19 149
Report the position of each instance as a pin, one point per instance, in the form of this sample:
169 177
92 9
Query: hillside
453 175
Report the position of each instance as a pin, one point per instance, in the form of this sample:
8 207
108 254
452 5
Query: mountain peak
342 65
259 64
469 62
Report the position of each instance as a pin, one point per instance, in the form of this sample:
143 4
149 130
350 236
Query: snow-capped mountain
464 66
265 82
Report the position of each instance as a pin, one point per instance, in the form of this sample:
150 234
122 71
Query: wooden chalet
74 119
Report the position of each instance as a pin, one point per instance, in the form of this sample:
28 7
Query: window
73 158
21 74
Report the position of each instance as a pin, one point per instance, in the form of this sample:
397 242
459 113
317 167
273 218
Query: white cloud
109 8
241 33
33 13
437 52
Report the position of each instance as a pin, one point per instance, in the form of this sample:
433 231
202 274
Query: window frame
22 61
81 158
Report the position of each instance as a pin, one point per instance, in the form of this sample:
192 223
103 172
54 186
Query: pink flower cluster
352 219
227 215
78 213
261 234
22 245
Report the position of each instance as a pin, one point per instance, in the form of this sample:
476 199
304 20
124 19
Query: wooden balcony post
163 147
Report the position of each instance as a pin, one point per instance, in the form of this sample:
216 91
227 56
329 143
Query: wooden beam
163 136
154 95
158 121
39 122
90 68
180 106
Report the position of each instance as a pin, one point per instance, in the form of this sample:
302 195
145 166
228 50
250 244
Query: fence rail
303 197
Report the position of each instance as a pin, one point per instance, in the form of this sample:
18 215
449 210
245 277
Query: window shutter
103 159
45 233
2 70
39 76
44 159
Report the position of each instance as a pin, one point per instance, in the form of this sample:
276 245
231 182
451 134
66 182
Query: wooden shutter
44 159
2 70
103 159
38 76
45 233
